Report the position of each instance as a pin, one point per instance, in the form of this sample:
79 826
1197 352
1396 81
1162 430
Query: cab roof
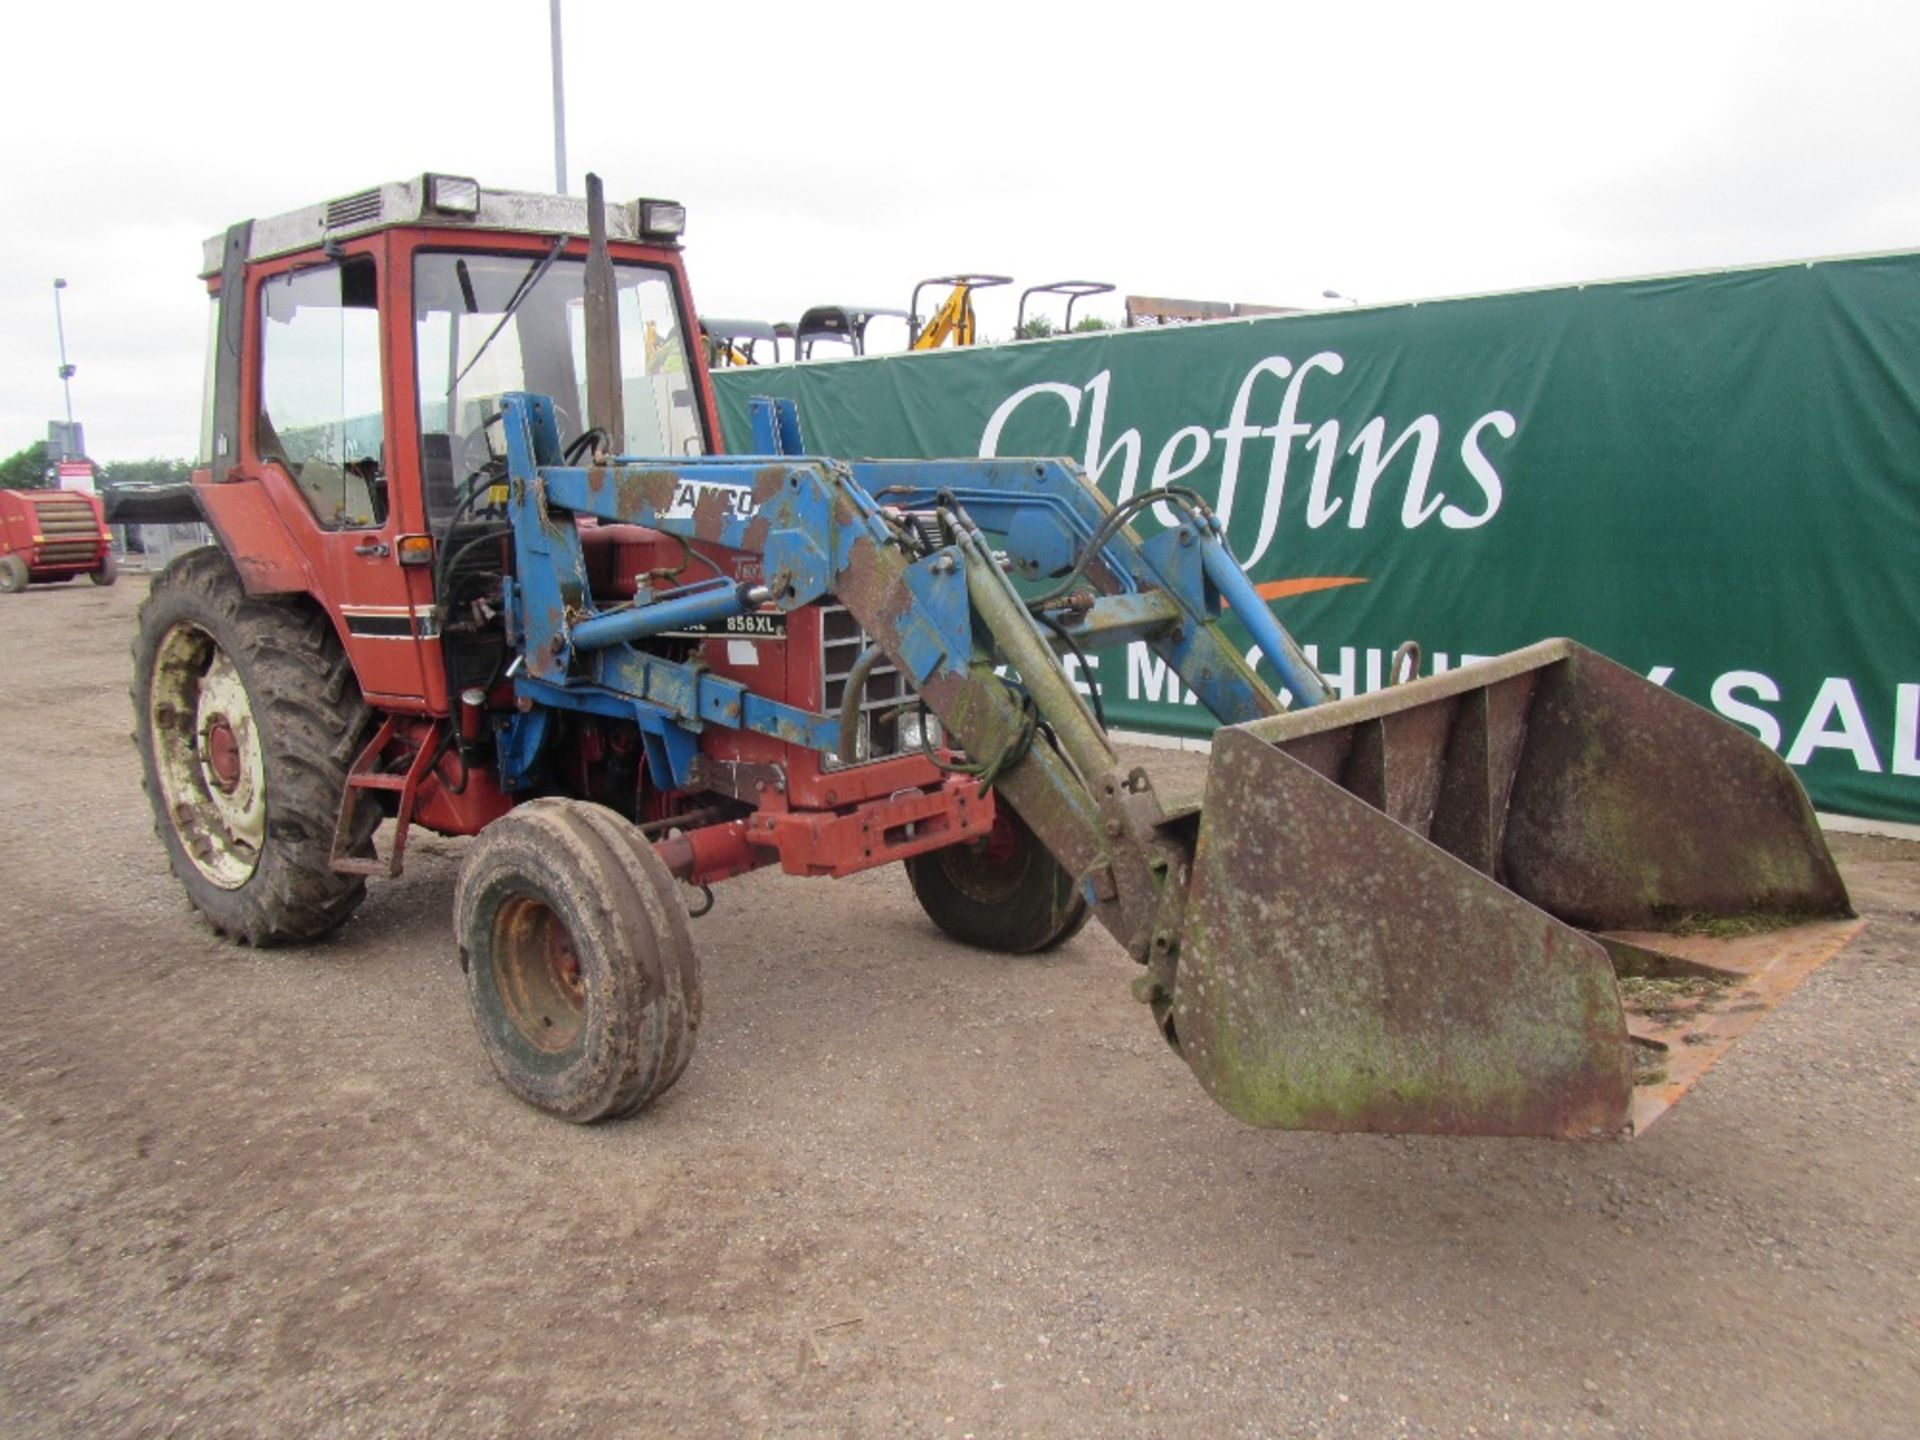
416 202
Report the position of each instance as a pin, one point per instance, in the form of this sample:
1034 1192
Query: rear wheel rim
537 975
207 757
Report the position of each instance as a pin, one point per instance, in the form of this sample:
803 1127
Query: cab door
317 436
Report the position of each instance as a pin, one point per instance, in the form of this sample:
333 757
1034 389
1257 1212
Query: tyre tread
312 723
644 1016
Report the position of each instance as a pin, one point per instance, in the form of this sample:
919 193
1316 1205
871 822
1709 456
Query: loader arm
948 618
1375 921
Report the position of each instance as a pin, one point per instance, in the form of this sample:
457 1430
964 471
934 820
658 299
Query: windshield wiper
525 288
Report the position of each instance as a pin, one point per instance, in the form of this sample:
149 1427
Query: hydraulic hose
852 699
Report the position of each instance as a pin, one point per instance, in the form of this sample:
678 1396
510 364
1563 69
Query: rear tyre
247 716
108 571
580 964
13 574
1001 892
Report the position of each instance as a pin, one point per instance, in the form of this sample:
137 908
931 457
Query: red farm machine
50 536
481 568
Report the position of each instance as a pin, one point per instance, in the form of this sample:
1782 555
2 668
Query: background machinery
1072 291
732 343
839 325
48 536
953 322
481 569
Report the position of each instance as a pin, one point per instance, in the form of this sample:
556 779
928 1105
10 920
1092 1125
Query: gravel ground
905 1189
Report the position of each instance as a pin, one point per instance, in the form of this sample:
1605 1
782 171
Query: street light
1336 295
559 105
66 370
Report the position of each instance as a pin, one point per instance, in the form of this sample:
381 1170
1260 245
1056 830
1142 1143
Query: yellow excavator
954 320
732 343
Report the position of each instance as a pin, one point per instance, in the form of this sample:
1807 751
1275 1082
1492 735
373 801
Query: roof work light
453 194
662 219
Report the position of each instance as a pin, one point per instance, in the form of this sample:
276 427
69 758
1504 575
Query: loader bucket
1533 896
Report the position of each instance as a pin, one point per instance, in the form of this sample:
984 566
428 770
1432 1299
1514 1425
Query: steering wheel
474 454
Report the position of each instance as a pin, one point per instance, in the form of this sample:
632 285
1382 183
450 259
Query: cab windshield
468 359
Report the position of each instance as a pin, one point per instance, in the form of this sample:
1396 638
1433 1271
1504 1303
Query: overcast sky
840 152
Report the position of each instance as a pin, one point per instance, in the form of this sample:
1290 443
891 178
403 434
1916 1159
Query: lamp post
1324 294
66 370
559 107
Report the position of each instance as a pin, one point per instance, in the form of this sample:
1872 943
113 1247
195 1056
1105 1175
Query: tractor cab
360 351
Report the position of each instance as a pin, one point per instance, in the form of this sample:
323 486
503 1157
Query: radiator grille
841 641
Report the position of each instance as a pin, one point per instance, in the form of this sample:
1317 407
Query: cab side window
320 396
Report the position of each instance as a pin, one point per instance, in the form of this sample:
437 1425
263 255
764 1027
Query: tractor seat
436 475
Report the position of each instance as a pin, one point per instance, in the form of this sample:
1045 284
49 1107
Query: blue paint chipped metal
697 605
936 634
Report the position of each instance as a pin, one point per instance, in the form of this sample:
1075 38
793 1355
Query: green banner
1712 478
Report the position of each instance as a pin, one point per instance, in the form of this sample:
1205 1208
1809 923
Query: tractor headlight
919 730
453 194
662 219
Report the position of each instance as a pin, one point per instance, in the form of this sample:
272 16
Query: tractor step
379 782
373 770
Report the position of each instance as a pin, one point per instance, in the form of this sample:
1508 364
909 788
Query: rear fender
254 536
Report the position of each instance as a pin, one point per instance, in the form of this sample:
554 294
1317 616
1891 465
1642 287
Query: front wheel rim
537 975
207 757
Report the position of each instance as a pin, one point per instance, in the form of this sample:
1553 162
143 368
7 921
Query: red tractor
50 536
481 567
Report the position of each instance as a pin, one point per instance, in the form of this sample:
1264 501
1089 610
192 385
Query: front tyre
247 717
107 571
13 574
1002 892
580 964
